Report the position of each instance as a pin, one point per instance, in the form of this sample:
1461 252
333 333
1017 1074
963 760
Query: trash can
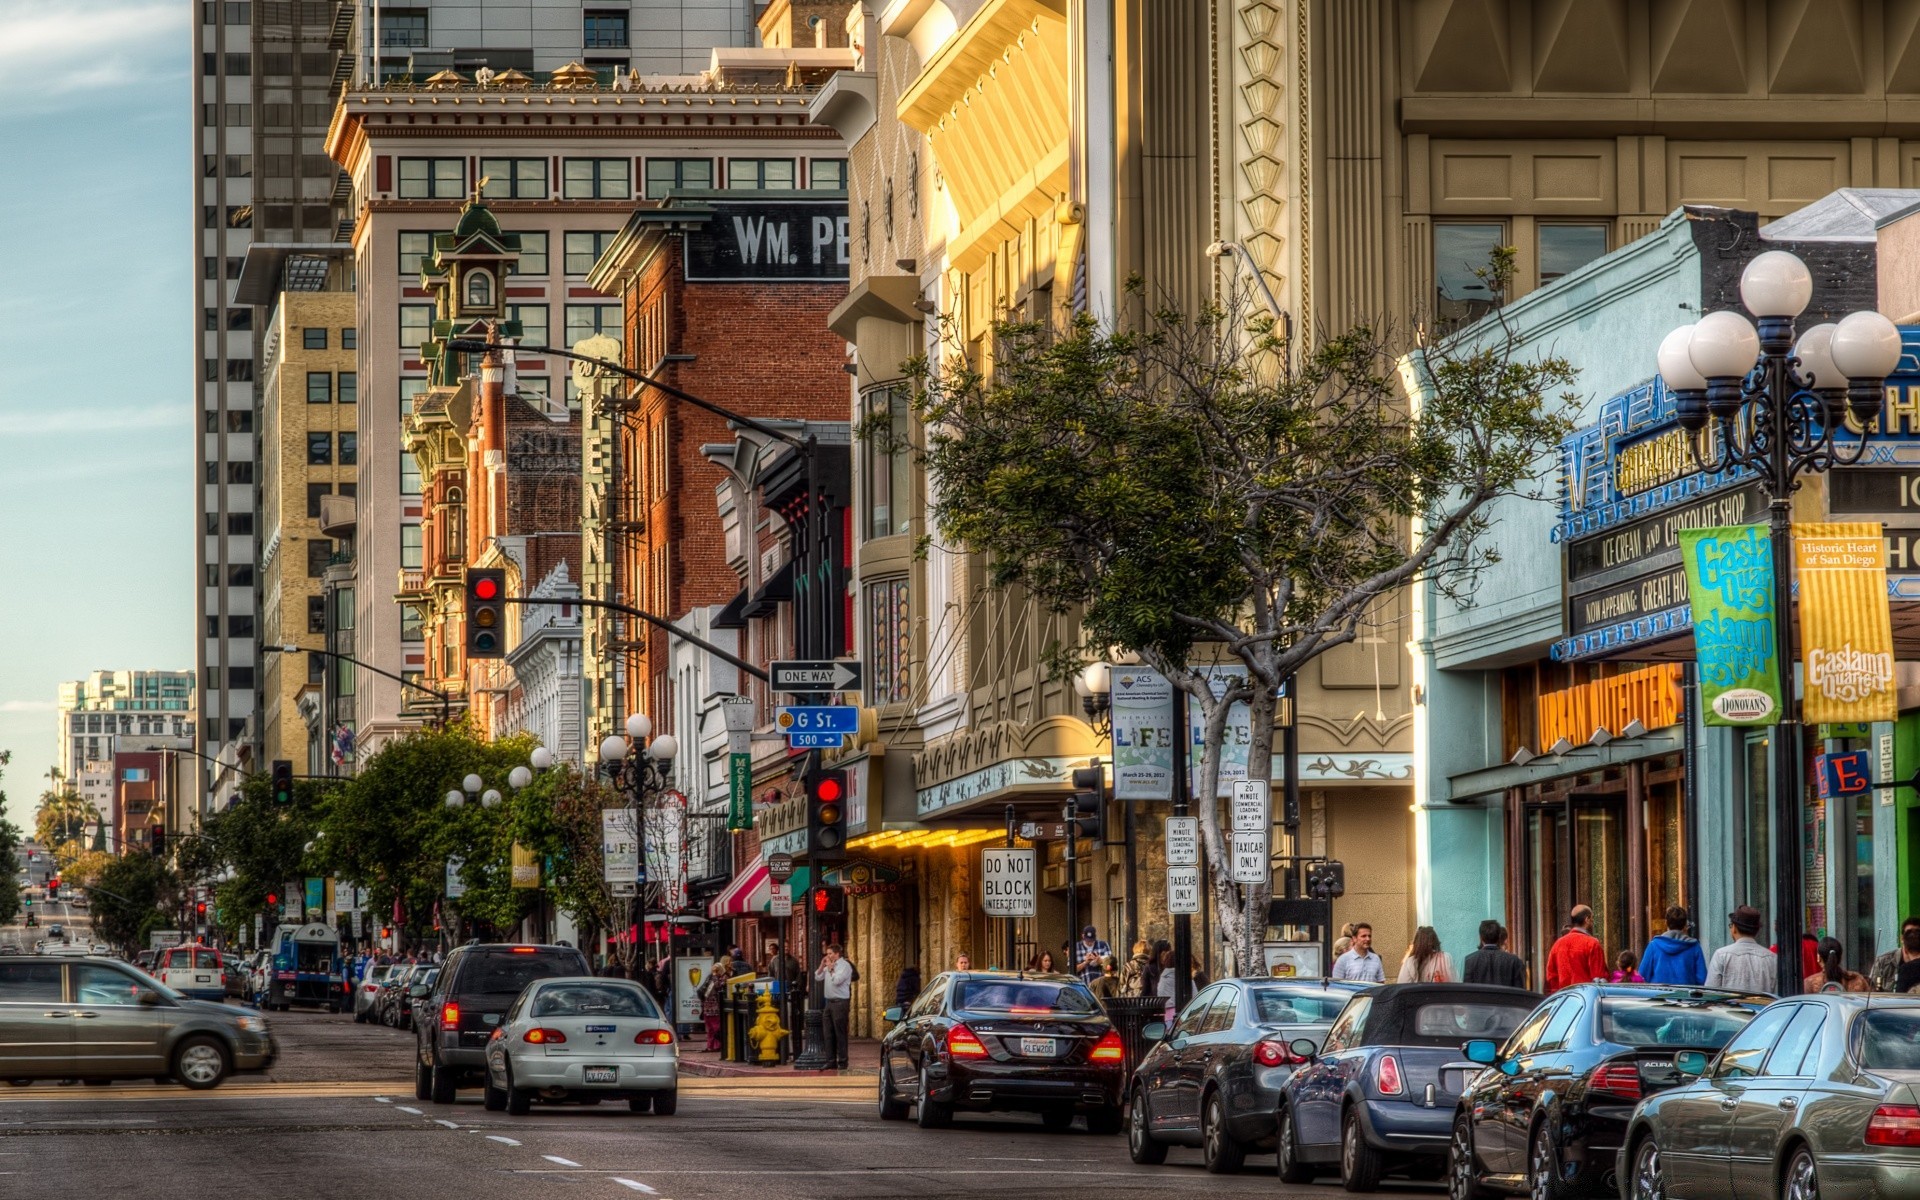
1130 1016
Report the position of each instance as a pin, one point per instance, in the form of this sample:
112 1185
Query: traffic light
1327 880
826 815
1087 807
200 908
273 900
53 888
282 781
486 612
159 839
830 901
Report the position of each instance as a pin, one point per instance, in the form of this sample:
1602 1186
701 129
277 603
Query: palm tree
62 817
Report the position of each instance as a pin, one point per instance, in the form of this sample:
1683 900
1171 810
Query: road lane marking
382 1100
447 1123
555 1158
635 1185
504 1141
403 1108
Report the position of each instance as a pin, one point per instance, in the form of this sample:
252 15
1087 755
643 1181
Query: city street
336 1114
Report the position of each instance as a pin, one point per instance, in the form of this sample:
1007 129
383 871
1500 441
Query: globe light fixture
1815 352
473 783
1723 346
490 798
663 747
1866 346
1094 679
613 748
541 758
456 798
519 777
639 726
1776 284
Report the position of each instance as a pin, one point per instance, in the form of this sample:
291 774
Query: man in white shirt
1360 962
835 974
1744 965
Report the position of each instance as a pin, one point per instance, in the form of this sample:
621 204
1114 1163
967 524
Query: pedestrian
963 961
712 991
1133 976
1899 968
1744 965
1043 962
1360 962
1087 954
1577 956
1342 943
1833 975
1169 977
1426 962
789 981
1624 970
1107 986
906 989
1157 958
740 964
836 977
1490 964
1674 956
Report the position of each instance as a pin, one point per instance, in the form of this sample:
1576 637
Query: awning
776 590
747 894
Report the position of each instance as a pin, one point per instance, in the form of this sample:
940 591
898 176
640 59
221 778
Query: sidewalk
863 1059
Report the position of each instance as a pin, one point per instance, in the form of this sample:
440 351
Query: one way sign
819 675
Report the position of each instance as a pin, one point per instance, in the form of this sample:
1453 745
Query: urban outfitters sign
749 241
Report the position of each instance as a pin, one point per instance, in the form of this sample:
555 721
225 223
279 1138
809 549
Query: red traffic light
273 898
827 788
820 900
486 587
200 908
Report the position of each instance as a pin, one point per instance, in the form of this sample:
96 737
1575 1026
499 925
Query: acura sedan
583 1039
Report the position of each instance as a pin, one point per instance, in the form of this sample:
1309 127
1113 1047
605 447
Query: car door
1315 1090
36 1022
1769 1103
1694 1122
1213 1046
1540 1069
908 1047
113 1033
1495 1105
1176 1092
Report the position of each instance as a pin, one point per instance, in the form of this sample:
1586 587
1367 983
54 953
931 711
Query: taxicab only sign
1007 882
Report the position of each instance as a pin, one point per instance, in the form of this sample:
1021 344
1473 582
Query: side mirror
1304 1049
147 997
418 991
1482 1051
1154 1031
1691 1063
894 1015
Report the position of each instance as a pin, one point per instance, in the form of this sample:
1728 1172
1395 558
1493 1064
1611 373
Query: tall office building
109 704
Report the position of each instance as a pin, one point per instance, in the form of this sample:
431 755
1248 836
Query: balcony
413 582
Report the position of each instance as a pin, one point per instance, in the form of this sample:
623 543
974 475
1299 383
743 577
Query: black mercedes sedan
1549 1118
984 1041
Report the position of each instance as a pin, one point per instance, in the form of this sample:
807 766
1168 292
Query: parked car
1379 1095
477 985
135 1026
259 974
392 1004
1214 1079
1549 1118
990 1040
423 979
1814 1098
367 994
583 1039
233 977
194 970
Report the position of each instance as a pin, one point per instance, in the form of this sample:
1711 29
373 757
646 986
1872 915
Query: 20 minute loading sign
815 675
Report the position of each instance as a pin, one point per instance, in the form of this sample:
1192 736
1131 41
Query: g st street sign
815 741
822 718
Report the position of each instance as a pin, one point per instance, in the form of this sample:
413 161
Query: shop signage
1861 490
1650 696
1663 456
739 792
1183 841
1144 744
1183 890
1848 774
780 867
1730 581
752 240
1654 541
1251 861
1846 628
1007 882
1630 598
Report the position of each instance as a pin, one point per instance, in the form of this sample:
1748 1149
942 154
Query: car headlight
251 1024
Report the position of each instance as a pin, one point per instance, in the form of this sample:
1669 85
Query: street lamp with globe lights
638 764
1778 409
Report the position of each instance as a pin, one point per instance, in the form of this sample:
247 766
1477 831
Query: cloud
92 421
20 706
55 54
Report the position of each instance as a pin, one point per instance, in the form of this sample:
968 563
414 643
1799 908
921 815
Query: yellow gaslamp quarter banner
1846 629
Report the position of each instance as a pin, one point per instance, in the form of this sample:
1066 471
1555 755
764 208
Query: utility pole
1182 801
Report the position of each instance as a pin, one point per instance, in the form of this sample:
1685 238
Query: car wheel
422 1080
1360 1164
334 1008
1802 1180
1055 1119
1286 1153
928 1112
359 1018
200 1063
1141 1146
892 1107
1649 1181
1543 1167
495 1099
640 1104
1105 1122
666 1102
440 1085
519 1100
1218 1150
1463 1175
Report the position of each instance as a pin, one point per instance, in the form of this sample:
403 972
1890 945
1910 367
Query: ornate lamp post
638 764
1777 408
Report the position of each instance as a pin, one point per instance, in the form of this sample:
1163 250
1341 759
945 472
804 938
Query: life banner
1730 583
1846 628
526 867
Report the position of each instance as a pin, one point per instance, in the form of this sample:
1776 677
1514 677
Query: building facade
109 704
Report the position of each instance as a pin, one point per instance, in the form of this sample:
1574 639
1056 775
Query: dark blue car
1379 1096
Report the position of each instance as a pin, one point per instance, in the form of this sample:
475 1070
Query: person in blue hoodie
1673 957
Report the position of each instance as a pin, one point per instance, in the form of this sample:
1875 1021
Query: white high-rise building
109 704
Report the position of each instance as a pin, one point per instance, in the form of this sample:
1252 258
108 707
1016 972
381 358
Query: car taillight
449 1015
1270 1053
1386 1076
1617 1079
653 1037
545 1037
1109 1049
961 1043
1894 1125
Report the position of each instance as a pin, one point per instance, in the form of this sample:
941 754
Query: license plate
602 1074
490 1018
1037 1047
600 1029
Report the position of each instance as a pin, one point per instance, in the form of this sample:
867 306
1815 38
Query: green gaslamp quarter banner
1730 582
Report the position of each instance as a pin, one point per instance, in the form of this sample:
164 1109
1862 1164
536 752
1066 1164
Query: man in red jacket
1578 957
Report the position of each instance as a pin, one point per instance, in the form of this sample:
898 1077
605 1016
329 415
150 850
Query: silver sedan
583 1038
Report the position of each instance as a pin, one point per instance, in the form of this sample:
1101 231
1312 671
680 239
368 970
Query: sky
96 331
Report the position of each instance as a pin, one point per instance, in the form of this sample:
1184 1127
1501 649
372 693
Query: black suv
477 985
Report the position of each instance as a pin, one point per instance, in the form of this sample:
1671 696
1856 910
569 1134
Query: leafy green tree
1195 488
135 894
61 820
263 846
9 854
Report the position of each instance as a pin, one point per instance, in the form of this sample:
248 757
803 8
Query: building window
409 474
585 320
514 178
240 319
319 449
533 255
349 387
666 174
585 249
888 462
319 387
314 492
827 174
404 29
239 370
240 575
240 679
415 248
1567 248
319 550
889 642
433 178
316 617
479 289
239 472
240 524
416 326
603 30
349 338
533 323
413 626
410 547
774 174
1459 251
595 179
349 449
240 420
409 388
313 339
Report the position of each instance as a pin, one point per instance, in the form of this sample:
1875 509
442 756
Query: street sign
818 718
1183 890
1183 841
815 741
738 711
815 675
780 866
624 891
1250 857
1250 801
1007 882
619 846
780 901
1043 831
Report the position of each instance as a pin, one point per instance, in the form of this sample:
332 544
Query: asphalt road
336 1115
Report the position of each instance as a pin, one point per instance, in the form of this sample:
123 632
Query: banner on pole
456 886
1730 583
526 867
1846 628
619 846
1144 743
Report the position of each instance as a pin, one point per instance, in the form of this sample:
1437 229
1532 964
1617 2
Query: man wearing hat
1087 955
1744 965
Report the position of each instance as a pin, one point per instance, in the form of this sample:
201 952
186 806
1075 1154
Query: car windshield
1464 1020
506 974
593 1000
1890 1039
1025 996
1649 1021
1290 1006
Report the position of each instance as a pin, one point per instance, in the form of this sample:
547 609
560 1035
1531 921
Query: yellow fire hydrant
766 1032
